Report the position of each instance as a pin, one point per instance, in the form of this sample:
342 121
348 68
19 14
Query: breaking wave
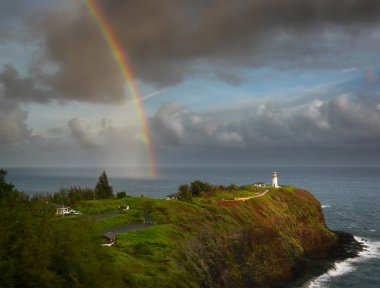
371 250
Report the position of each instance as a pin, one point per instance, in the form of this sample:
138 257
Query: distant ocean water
350 198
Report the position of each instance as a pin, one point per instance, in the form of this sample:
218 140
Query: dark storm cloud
86 69
168 40
15 88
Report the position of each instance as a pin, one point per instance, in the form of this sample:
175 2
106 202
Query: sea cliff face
264 242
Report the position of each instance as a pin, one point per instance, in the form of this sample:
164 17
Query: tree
4 186
103 190
198 187
121 194
184 192
38 251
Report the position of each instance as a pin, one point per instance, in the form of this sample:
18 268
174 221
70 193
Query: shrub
121 194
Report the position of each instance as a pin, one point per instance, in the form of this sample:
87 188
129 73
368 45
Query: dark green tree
232 187
121 194
103 190
4 186
184 192
38 251
198 187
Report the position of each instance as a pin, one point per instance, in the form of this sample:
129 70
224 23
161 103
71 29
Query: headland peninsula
205 235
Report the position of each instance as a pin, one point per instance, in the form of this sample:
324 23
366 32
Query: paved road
128 227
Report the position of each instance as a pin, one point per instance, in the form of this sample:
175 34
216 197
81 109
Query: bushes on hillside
198 188
72 195
121 194
38 251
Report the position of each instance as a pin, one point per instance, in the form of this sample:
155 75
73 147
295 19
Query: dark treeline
198 188
73 195
39 250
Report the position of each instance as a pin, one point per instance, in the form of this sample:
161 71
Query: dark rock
309 268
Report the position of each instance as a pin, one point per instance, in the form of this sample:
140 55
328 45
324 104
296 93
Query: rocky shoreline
310 268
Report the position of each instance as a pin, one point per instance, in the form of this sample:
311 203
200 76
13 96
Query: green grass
158 235
194 240
152 254
99 206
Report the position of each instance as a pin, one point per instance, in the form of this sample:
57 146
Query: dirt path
251 197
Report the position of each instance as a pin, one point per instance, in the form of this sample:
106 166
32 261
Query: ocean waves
371 251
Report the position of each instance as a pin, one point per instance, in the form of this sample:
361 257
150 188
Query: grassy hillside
221 236
211 242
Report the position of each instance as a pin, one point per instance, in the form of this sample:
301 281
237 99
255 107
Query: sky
223 83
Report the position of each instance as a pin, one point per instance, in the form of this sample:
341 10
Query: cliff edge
266 241
275 239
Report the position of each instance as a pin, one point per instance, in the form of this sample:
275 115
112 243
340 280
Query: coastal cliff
260 242
268 241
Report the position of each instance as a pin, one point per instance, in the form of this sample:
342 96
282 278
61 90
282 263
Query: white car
73 212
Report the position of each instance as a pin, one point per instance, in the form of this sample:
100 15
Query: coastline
309 269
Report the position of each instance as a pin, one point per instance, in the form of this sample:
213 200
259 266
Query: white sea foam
325 206
372 250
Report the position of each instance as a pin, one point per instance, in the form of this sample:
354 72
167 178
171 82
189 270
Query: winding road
128 227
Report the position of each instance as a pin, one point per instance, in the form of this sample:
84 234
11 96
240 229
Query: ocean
350 199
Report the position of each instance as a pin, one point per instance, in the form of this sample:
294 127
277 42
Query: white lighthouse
275 180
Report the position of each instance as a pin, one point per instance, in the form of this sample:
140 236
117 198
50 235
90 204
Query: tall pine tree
103 190
4 186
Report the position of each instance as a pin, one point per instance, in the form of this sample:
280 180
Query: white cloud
83 133
13 127
342 122
345 123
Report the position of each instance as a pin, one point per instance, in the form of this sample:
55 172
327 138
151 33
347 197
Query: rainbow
127 72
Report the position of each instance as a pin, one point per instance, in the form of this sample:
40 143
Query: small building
173 196
109 239
64 210
61 209
259 184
